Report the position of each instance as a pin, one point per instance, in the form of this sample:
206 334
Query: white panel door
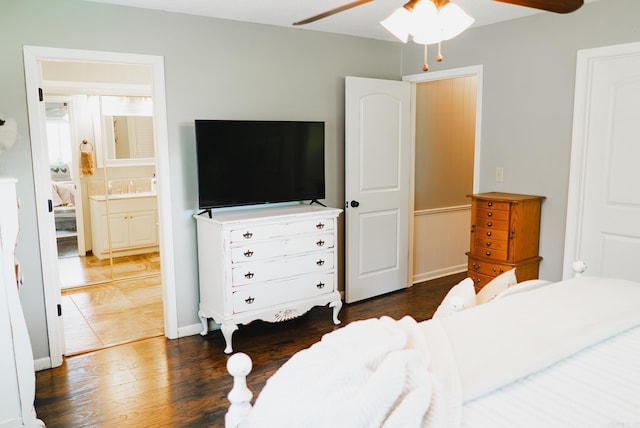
377 183
604 205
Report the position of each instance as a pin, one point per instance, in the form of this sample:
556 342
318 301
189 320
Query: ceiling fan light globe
454 20
398 24
426 26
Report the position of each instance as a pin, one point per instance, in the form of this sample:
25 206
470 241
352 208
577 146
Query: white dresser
17 376
272 264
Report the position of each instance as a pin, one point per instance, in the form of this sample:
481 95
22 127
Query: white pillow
523 286
496 286
461 296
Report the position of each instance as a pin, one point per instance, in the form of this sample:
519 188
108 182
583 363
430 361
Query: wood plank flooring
184 382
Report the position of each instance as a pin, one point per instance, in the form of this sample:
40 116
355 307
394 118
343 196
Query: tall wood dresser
505 234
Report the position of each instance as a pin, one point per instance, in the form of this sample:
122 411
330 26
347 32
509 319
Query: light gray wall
527 112
213 69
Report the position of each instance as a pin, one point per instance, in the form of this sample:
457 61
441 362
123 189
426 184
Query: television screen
242 162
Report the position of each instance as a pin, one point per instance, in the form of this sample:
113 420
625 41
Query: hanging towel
86 158
86 163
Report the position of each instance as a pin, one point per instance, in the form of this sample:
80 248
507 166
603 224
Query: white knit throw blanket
371 373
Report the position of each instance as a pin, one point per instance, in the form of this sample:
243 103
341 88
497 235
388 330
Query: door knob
355 204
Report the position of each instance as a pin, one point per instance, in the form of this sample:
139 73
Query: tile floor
80 271
104 315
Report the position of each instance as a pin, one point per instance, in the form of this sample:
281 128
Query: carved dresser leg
227 332
205 324
337 305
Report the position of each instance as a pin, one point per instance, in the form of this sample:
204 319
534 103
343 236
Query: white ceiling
363 21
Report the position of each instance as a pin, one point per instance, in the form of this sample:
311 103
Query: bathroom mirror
127 130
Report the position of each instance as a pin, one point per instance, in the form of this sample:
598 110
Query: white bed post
578 267
239 366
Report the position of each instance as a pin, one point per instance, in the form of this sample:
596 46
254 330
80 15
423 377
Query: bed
563 354
63 192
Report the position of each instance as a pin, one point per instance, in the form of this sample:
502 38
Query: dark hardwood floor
184 382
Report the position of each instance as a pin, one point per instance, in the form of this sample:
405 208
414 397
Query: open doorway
448 106
117 172
111 290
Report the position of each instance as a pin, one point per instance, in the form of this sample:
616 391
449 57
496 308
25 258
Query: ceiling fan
557 6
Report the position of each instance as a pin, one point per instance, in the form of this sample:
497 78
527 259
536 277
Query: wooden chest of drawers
505 231
271 264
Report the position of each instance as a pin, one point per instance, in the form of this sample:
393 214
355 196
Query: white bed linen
502 341
599 387
472 357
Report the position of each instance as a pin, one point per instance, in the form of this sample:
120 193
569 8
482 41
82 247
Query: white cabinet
272 264
130 220
17 385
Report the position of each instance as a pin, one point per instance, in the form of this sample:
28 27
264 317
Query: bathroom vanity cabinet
131 220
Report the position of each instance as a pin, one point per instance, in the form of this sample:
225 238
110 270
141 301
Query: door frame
473 70
578 161
79 205
46 229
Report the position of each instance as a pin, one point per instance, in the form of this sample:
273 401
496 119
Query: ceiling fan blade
558 6
332 12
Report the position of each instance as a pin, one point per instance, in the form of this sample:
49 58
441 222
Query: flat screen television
248 162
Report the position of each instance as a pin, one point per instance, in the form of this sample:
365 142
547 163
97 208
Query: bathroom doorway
108 296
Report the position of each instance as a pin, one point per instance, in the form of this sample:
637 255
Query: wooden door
377 184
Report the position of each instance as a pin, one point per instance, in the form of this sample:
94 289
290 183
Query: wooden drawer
479 280
491 234
261 271
490 214
279 248
486 267
268 294
493 205
483 271
268 231
491 223
490 253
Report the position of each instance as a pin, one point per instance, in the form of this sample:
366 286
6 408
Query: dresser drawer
486 267
490 214
261 271
479 280
278 248
489 253
268 294
491 223
482 244
492 234
268 231
493 205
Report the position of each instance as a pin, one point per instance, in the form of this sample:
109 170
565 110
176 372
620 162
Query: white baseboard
189 330
42 364
427 276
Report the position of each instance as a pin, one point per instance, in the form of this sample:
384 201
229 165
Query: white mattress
599 387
